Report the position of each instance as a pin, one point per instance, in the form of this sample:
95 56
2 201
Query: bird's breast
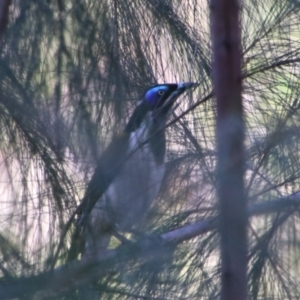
132 192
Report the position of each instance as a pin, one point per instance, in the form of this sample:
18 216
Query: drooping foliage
71 73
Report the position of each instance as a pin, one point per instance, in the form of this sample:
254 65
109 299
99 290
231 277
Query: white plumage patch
138 137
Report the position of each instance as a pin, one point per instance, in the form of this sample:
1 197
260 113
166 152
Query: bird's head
157 101
161 97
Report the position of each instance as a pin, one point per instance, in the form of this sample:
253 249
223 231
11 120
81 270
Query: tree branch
4 8
79 273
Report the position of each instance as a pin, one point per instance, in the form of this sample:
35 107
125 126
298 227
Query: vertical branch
117 58
58 84
226 43
4 8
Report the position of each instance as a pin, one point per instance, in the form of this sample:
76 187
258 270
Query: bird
130 171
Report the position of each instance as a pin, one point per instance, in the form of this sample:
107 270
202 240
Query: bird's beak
181 88
184 86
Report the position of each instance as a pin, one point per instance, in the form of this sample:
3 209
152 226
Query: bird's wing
108 167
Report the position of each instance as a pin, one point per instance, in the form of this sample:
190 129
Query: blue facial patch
152 95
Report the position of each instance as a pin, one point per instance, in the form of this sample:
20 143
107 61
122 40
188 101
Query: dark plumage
130 171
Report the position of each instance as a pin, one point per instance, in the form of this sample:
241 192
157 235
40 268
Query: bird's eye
160 92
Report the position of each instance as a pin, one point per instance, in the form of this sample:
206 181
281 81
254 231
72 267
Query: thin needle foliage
71 73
